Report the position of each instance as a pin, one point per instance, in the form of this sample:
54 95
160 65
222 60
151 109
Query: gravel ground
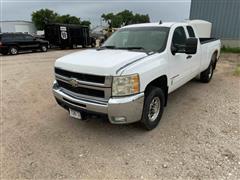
197 138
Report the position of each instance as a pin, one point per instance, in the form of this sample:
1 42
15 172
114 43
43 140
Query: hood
98 62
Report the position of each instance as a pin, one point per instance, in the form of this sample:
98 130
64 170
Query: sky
165 10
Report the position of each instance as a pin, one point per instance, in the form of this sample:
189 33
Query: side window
7 37
190 31
28 37
179 37
18 37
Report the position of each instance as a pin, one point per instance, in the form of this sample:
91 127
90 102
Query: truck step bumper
122 110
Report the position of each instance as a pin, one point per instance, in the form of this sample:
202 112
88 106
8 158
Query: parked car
14 42
68 35
130 76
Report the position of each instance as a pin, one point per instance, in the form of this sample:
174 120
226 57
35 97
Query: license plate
75 114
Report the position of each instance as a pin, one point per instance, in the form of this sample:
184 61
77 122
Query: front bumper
120 110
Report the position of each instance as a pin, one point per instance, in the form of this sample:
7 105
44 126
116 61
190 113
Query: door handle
189 57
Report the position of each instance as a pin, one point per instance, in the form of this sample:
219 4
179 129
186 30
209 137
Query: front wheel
153 107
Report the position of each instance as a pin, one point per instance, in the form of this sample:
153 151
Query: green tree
139 18
45 16
86 23
42 17
67 19
108 18
124 18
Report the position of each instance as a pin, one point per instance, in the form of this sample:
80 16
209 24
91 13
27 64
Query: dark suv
14 42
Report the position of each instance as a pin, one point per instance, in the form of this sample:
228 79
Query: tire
154 98
93 45
43 48
207 75
13 50
74 46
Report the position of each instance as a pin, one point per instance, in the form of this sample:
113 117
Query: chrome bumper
120 110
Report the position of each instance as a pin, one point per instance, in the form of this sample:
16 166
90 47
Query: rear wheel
206 75
43 48
74 46
153 107
13 50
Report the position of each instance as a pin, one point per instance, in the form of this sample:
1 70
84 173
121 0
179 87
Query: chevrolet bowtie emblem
73 82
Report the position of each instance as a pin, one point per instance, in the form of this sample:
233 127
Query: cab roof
165 24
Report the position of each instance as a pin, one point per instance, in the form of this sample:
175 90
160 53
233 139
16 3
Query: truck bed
207 40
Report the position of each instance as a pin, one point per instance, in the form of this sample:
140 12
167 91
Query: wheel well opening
160 82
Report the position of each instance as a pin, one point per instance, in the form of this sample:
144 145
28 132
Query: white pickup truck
129 77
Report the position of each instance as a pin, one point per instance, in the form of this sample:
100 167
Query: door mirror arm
176 49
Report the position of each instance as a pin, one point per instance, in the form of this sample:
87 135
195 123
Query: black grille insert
82 90
80 76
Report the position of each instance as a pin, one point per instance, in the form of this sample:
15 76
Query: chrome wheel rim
210 72
154 109
13 51
44 48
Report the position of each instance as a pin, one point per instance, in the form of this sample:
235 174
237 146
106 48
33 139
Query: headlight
125 85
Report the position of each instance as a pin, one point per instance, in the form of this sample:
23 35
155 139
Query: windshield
142 38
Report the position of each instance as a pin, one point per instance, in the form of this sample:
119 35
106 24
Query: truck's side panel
207 50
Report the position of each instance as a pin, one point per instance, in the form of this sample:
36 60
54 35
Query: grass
230 50
237 70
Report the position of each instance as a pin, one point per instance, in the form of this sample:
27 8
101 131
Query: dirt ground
197 138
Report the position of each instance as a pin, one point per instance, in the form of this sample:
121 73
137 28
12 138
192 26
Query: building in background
17 26
224 16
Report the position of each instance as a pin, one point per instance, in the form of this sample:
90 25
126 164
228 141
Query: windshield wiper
127 48
132 47
148 52
106 47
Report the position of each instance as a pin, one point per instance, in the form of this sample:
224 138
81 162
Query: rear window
190 31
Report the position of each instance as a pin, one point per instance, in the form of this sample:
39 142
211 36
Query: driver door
179 66
30 42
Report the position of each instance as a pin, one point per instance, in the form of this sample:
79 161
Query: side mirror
191 46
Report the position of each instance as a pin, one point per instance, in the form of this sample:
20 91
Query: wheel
13 50
206 75
43 48
74 46
93 45
153 107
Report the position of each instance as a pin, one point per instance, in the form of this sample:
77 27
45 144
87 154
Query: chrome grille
84 85
80 76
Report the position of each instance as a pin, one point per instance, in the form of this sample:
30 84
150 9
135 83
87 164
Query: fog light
55 85
119 119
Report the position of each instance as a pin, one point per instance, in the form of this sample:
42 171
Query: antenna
160 22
